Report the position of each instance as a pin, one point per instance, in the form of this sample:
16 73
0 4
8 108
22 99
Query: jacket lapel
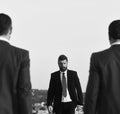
59 80
68 79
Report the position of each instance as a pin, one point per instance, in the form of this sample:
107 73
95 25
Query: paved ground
46 112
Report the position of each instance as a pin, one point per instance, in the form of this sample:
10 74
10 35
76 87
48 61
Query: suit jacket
15 85
103 89
55 89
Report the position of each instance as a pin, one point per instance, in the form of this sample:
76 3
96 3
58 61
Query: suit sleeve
92 90
24 86
79 90
50 94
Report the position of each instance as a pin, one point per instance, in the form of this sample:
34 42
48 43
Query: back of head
114 30
5 24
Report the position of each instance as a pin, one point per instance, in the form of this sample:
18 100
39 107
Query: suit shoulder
101 57
101 53
72 71
19 53
20 50
54 73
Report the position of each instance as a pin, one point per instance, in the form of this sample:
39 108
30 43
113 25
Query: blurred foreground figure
103 89
15 85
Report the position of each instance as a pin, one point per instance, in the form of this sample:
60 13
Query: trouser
66 108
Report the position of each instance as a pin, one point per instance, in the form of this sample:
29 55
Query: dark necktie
64 85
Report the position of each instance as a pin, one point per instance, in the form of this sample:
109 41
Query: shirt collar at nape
4 39
116 43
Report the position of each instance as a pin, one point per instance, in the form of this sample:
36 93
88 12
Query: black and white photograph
59 57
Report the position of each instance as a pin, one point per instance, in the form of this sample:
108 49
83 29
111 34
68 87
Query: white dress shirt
67 98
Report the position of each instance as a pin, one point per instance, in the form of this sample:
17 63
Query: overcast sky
48 28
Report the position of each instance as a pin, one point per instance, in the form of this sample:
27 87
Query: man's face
63 65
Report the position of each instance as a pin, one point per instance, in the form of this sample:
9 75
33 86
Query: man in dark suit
103 89
64 92
15 85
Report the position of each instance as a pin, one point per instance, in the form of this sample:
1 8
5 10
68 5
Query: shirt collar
4 39
64 72
116 43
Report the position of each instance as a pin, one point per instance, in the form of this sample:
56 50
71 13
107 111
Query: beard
63 69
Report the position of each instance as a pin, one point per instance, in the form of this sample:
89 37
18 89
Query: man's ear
10 30
111 39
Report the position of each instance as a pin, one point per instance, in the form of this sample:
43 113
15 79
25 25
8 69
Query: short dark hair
5 23
114 30
62 57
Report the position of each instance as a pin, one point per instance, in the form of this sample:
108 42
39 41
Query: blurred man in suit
15 85
64 92
103 89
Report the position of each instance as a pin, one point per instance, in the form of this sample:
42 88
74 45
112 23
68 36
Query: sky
49 28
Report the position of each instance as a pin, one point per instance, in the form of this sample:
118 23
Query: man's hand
50 109
79 108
